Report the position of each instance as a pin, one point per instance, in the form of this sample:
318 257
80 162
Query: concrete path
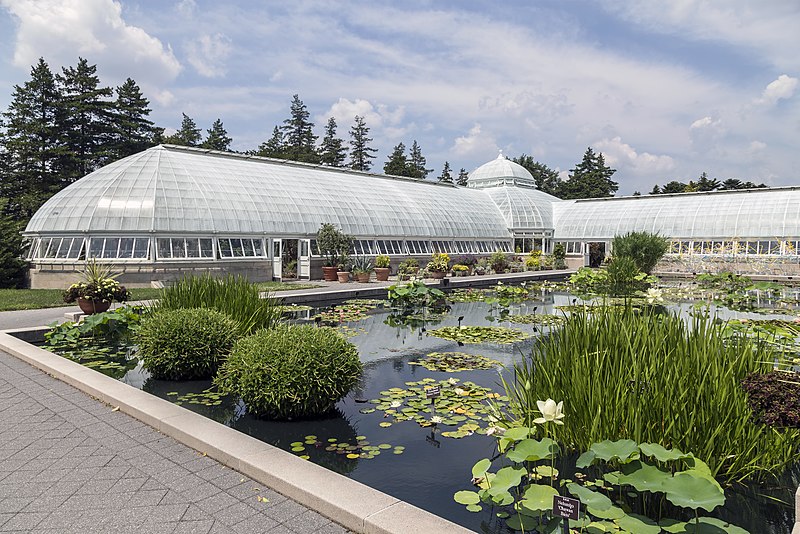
70 464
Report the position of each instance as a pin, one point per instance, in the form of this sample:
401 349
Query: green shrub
654 378
291 371
233 295
559 255
644 248
498 261
185 344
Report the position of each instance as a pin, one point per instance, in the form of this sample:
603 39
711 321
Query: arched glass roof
500 171
754 213
179 190
523 208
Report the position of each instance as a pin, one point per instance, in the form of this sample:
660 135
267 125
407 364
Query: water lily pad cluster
294 308
468 295
350 311
463 406
542 319
360 449
480 334
454 362
207 397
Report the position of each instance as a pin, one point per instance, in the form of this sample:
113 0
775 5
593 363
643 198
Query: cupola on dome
500 171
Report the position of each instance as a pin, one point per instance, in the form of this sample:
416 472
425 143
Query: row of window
572 247
169 248
731 248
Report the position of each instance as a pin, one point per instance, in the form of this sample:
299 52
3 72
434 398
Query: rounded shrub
291 371
185 344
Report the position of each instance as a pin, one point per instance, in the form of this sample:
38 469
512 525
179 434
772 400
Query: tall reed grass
233 295
659 379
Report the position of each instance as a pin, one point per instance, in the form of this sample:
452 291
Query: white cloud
780 89
475 142
208 54
186 7
376 117
625 158
756 147
705 133
62 30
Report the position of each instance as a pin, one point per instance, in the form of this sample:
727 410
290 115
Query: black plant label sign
566 507
432 392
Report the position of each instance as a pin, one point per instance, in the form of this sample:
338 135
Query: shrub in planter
185 344
498 261
291 371
559 256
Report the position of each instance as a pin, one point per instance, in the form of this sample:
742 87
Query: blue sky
666 90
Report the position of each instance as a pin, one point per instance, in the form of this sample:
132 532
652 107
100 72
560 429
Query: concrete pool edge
350 503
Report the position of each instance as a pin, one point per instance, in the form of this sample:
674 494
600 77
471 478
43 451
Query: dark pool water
430 467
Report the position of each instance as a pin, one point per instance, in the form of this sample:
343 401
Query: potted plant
332 244
460 270
97 290
343 268
533 260
559 255
469 260
382 268
498 262
362 268
407 268
481 266
439 265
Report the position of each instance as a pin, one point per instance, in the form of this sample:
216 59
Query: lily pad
454 362
480 334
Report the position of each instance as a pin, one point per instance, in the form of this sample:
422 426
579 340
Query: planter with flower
343 268
97 290
469 260
362 268
460 270
439 265
407 269
382 269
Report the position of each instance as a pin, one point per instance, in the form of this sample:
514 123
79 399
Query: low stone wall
763 265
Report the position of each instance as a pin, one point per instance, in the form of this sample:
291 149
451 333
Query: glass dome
523 208
500 171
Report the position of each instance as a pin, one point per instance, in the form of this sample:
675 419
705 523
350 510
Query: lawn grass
34 299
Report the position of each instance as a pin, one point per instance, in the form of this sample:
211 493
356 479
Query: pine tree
217 138
360 151
446 176
655 191
416 163
463 177
332 151
12 266
704 183
546 179
673 187
133 131
591 178
34 143
274 147
299 135
88 119
188 135
397 164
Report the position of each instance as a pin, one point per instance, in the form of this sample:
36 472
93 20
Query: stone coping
350 503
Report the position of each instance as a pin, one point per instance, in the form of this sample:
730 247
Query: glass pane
110 247
126 247
236 247
303 248
163 248
224 248
63 248
276 249
178 247
192 247
96 247
140 247
206 248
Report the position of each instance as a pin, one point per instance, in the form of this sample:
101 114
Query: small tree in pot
382 267
333 244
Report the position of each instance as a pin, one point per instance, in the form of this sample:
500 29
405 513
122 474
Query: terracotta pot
382 274
437 275
362 277
329 274
343 276
89 306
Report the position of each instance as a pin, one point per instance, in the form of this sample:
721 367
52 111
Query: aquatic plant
414 293
453 362
480 334
543 319
654 378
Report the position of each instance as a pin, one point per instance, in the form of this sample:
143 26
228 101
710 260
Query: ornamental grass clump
655 378
186 344
233 295
291 371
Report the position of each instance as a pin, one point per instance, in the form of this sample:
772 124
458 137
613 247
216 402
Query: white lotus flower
654 295
396 404
452 380
550 412
492 430
436 419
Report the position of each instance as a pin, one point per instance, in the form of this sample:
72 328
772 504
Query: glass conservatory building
169 210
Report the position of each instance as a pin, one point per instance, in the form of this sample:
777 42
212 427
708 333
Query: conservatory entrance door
304 260
276 259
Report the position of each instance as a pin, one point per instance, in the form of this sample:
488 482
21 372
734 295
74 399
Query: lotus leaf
660 453
480 468
624 450
643 477
589 497
508 477
474 508
466 497
614 512
538 498
531 450
522 522
638 524
586 459
690 491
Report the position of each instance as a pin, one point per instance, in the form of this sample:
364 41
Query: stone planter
343 276
362 278
382 274
329 274
438 275
89 306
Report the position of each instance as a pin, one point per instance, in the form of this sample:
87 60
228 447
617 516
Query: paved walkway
69 463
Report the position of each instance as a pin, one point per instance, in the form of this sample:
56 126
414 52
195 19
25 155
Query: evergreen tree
88 120
12 266
133 131
332 151
735 183
217 138
360 151
274 146
463 176
416 163
673 187
655 191
547 180
637 194
704 183
591 178
299 138
34 143
188 135
446 176
397 164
